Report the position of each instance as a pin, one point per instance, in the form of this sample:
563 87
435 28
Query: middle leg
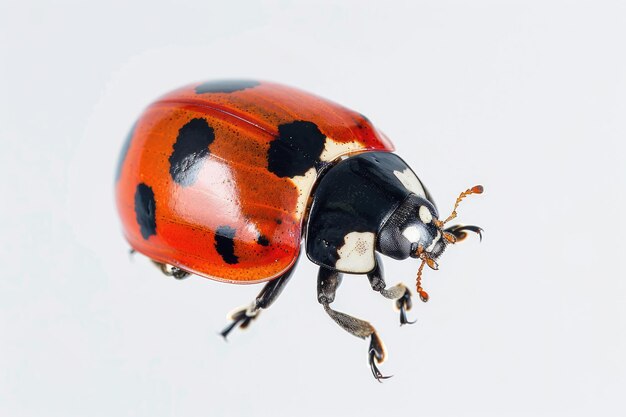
327 283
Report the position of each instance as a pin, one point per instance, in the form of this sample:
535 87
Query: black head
414 230
410 226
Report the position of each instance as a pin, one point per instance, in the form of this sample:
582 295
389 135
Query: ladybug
226 179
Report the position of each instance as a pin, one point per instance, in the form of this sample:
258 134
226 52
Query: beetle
226 180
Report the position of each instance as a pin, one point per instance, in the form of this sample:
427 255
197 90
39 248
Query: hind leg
266 298
171 271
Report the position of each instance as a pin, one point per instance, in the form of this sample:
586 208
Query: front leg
399 292
459 232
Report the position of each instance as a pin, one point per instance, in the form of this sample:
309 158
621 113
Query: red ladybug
224 179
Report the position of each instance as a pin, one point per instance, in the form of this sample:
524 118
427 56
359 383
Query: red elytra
198 206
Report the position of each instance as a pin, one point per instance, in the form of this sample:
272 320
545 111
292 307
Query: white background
525 97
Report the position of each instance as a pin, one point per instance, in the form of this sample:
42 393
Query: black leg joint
376 275
272 290
328 281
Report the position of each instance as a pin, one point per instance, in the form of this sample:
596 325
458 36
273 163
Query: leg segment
171 271
459 231
399 292
327 283
269 293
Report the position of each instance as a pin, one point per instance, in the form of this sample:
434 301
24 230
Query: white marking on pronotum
425 215
412 233
357 253
435 240
410 182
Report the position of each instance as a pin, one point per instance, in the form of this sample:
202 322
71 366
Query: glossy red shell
233 187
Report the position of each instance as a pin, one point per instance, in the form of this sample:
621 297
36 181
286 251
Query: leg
171 271
327 283
460 232
399 292
269 293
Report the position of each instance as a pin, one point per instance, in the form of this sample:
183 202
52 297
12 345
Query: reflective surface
196 168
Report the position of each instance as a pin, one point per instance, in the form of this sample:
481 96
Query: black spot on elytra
190 149
225 245
124 151
145 210
296 149
262 240
225 86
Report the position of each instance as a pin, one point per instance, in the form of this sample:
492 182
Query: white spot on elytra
304 183
357 253
425 215
412 233
333 149
410 182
